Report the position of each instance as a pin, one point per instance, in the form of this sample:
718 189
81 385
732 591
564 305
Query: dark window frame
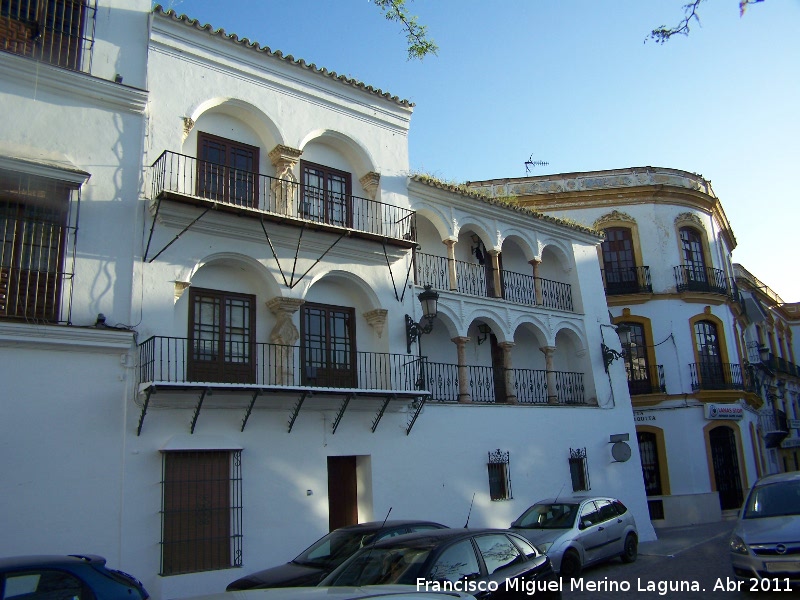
201 511
710 368
322 204
38 227
651 467
327 370
693 254
636 359
218 369
499 471
239 186
619 260
579 470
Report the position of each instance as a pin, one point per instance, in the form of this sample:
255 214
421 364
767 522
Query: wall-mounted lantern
609 354
483 330
429 299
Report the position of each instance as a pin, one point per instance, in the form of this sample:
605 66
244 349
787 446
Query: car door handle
600 528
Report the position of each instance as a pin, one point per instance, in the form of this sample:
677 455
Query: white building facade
264 371
668 277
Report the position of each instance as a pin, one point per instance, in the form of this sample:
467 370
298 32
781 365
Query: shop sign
724 411
641 417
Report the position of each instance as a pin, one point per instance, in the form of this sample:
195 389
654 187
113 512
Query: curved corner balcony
186 179
690 278
716 376
630 280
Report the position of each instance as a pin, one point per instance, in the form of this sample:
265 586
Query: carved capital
284 331
188 125
284 159
377 319
180 287
371 182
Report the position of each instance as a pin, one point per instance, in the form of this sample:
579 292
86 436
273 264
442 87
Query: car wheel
631 550
570 564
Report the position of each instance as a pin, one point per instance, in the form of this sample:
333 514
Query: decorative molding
689 218
63 82
377 319
61 337
371 183
41 167
284 159
614 216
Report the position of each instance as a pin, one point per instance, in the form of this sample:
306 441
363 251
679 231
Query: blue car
61 577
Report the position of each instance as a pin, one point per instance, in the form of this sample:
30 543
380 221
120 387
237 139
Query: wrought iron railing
59 32
187 177
774 426
519 288
716 376
530 385
168 359
472 279
631 280
689 278
645 380
556 294
432 270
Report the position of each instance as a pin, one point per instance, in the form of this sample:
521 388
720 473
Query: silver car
579 531
766 541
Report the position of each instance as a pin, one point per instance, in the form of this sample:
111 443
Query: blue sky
572 82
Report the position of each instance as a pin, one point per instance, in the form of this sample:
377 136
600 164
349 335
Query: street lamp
609 354
429 299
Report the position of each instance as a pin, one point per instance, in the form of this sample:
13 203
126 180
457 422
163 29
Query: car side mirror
583 525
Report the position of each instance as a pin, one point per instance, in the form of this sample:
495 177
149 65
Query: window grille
38 227
579 469
499 476
201 513
59 32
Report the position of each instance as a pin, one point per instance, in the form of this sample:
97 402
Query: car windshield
333 549
381 567
548 516
774 500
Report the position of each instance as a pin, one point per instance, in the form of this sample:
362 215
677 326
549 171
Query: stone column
508 371
463 373
537 283
451 264
495 257
281 364
549 351
284 190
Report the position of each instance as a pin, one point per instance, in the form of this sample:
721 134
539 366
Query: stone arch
355 153
256 119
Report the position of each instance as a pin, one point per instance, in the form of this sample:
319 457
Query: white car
766 541
580 530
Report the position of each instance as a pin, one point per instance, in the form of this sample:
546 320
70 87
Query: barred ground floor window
201 516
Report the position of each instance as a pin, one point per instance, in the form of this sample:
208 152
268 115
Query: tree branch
419 46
